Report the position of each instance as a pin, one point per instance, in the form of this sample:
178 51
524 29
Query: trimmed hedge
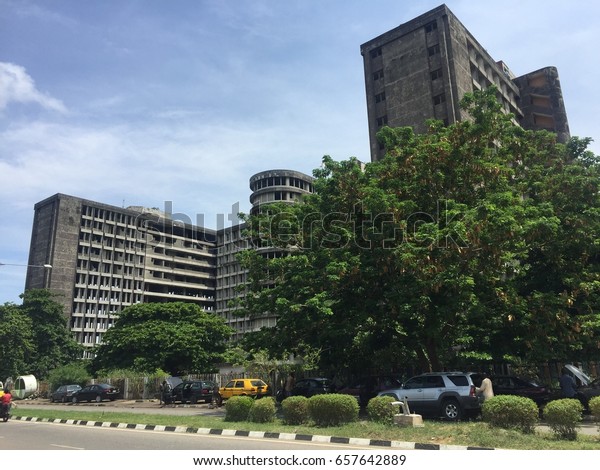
380 410
238 408
332 409
594 406
562 416
511 412
295 410
263 410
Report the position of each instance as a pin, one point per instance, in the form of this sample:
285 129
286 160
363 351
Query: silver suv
447 394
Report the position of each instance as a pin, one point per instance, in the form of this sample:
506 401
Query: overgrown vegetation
474 241
34 336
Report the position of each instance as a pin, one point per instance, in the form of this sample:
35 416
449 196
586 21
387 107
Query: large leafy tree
176 337
16 342
477 240
34 336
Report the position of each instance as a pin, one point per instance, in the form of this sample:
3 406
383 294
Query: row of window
108 215
429 28
281 181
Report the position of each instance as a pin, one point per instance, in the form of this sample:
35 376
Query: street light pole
47 266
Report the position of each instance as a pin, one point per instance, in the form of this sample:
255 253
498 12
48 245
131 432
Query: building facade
421 70
105 258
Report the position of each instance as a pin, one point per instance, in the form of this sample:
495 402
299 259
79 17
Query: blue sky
138 102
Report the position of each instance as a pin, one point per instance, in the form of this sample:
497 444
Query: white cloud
17 86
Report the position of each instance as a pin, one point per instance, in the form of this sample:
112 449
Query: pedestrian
567 384
289 384
486 390
165 393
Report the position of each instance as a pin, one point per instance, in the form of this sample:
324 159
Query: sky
150 102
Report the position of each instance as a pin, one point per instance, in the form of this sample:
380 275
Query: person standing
289 384
567 384
486 390
165 393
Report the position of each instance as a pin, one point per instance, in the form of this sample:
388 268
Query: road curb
257 434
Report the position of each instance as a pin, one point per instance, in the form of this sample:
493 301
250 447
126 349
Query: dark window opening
378 75
431 27
433 50
439 99
375 53
436 74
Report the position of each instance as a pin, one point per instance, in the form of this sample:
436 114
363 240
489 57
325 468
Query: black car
366 388
193 391
64 393
95 392
312 386
588 391
511 385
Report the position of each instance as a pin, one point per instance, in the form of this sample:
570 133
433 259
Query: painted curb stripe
266 435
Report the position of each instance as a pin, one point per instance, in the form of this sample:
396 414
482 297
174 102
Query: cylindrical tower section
278 186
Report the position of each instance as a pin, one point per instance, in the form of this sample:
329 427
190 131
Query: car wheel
74 400
451 409
98 398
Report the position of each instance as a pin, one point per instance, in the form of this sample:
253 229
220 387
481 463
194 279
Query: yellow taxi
244 387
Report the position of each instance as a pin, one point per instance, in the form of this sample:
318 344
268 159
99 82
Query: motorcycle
5 412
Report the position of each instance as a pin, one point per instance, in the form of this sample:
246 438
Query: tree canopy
478 240
34 336
176 337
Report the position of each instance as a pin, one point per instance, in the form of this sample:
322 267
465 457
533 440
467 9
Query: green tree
460 239
53 344
16 343
176 337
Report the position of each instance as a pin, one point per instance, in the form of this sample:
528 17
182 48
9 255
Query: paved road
26 435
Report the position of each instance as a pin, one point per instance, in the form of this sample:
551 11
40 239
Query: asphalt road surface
26 435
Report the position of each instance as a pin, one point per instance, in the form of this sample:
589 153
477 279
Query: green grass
474 433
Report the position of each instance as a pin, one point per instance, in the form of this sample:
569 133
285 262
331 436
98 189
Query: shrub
511 412
332 409
74 373
594 406
263 410
562 416
380 410
238 408
295 410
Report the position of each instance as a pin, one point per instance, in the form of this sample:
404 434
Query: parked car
447 394
366 388
64 393
586 392
95 392
193 391
255 388
511 385
311 386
